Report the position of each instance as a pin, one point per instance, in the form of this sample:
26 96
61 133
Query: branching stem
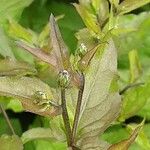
7 120
78 107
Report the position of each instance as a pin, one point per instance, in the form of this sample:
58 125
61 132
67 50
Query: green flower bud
82 50
63 79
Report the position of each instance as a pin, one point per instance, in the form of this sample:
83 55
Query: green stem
78 107
7 119
66 118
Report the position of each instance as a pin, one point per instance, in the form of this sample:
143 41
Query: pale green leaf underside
9 67
25 88
100 107
40 133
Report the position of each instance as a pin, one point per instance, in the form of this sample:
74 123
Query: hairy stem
66 118
130 86
78 107
7 119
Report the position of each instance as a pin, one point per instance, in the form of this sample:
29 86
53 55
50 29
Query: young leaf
40 133
24 89
133 100
5 49
39 53
18 32
89 19
9 67
135 66
103 13
11 142
60 50
44 35
12 9
129 5
125 144
100 106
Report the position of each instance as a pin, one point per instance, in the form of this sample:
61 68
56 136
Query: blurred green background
36 16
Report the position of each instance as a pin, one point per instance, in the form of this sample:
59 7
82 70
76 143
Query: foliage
83 81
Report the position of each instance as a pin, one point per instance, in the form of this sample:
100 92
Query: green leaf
15 105
145 111
47 145
9 67
18 32
125 144
99 103
138 40
103 13
129 5
135 66
10 142
24 89
5 49
115 133
134 99
40 133
88 18
12 9
5 129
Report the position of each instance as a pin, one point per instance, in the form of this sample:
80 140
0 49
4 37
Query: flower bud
82 50
63 79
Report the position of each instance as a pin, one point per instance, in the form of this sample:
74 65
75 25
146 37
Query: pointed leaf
60 50
24 89
39 53
10 142
129 5
100 105
44 35
89 19
125 144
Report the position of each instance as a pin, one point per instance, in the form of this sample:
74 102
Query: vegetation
74 76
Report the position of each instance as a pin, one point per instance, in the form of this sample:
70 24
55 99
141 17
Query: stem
78 107
130 86
66 118
7 119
